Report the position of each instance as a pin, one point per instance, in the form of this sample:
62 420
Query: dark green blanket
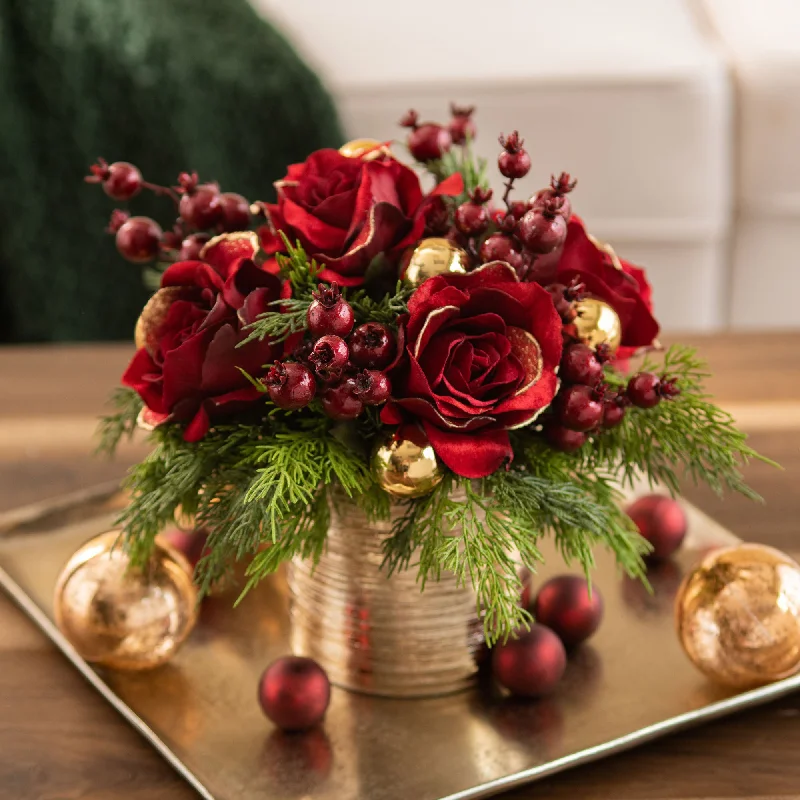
166 84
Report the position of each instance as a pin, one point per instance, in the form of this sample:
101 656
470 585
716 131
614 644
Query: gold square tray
631 683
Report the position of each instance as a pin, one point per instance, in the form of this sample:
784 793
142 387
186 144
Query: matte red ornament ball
531 665
294 693
564 605
661 521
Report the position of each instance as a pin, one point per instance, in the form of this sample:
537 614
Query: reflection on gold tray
631 683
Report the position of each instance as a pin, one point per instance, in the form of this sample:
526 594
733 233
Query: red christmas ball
661 521
563 604
531 665
294 693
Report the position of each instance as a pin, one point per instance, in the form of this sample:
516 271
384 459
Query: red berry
294 693
290 385
531 665
329 313
514 162
661 521
372 387
579 407
542 232
562 438
543 196
122 181
643 390
461 127
235 212
329 355
613 410
372 345
201 207
472 217
339 402
429 142
138 239
500 247
579 365
564 605
517 208
192 245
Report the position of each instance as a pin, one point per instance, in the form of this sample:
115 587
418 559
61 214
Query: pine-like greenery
269 482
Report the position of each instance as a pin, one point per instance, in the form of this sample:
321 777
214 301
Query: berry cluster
203 210
342 365
429 141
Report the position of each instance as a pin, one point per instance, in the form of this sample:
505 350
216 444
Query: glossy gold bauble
358 147
433 256
598 323
121 617
405 469
738 616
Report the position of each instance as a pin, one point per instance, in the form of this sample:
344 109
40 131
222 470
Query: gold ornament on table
738 616
369 149
598 323
121 617
406 469
433 256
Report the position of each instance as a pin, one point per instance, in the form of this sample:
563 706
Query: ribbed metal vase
377 634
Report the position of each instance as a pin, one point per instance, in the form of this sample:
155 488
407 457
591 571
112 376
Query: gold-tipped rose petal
607 249
528 352
153 315
357 148
245 244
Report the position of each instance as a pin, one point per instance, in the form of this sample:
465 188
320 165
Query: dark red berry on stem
192 245
565 606
123 182
643 390
562 438
559 188
235 212
542 230
579 365
531 665
290 385
339 402
138 239
662 521
462 127
472 217
514 162
580 407
372 387
614 406
329 355
200 206
437 216
329 312
372 346
500 247
517 208
426 142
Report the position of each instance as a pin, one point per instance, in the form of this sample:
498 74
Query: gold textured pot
377 634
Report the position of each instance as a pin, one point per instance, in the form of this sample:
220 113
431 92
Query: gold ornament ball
598 323
404 469
433 256
121 617
738 616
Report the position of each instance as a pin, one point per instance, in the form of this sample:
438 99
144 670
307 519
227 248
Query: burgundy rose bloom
186 367
626 290
481 352
345 211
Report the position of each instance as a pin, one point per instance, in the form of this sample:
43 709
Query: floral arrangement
445 361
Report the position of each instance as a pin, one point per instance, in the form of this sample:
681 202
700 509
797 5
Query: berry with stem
580 407
647 390
290 385
580 365
329 355
200 205
372 387
235 212
427 141
192 245
559 187
138 239
339 402
462 127
120 180
543 229
372 346
563 438
329 312
472 217
514 161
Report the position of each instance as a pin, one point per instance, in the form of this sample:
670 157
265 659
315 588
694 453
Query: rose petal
529 354
226 249
198 427
474 455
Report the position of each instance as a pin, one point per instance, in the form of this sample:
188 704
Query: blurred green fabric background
169 85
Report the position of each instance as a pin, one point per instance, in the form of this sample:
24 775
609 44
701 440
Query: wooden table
60 741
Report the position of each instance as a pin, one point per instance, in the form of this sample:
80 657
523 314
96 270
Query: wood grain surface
60 741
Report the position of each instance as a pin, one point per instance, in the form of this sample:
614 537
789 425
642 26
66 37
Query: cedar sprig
121 422
385 310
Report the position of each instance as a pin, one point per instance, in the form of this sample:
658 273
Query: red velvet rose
626 290
345 211
186 369
481 351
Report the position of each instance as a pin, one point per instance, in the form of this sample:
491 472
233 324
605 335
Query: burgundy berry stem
162 191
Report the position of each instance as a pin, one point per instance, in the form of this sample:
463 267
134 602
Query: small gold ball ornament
598 323
358 147
738 616
121 617
433 256
406 469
